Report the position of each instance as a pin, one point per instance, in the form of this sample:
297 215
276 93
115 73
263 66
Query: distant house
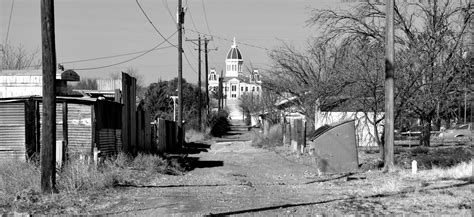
17 83
337 110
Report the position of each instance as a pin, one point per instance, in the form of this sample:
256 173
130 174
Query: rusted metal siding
79 128
12 131
109 141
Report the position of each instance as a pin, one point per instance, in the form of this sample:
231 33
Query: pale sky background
97 28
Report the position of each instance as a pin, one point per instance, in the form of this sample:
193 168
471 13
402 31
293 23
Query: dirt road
230 176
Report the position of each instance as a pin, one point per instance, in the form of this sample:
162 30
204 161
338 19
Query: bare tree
428 39
16 58
310 75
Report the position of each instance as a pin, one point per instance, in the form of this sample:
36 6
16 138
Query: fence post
148 129
294 136
287 135
30 132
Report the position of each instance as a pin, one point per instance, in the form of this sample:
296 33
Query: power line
149 20
165 3
128 60
113 56
205 17
191 16
9 21
225 39
189 63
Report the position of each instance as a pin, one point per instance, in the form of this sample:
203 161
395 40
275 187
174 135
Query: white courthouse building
235 82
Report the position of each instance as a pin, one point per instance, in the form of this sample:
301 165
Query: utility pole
199 85
199 81
180 73
221 94
48 134
206 51
207 77
389 88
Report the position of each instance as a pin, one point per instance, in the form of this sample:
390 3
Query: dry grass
20 181
16 177
387 186
274 138
461 171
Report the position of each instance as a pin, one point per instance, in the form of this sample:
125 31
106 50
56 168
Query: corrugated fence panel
109 141
79 128
109 84
12 131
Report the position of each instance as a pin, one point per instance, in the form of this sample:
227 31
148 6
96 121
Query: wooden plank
148 129
93 131
30 131
133 115
126 113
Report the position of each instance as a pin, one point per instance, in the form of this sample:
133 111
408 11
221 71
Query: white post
414 167
174 107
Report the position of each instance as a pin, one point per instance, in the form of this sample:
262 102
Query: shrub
219 123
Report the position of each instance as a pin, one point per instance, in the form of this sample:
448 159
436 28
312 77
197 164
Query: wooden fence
294 134
166 136
139 133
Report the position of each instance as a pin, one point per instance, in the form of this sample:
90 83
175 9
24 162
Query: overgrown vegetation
428 158
159 102
20 181
219 123
273 139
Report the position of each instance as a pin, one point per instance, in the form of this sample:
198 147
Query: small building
82 124
337 110
18 83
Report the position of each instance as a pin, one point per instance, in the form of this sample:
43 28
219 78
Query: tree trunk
425 131
382 145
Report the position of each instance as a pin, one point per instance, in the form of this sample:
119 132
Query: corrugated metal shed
81 124
12 130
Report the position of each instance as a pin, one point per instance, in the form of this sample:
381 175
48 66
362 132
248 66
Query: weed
461 171
16 176
20 181
194 135
274 138
420 150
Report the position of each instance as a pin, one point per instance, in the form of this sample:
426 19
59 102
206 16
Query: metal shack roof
79 100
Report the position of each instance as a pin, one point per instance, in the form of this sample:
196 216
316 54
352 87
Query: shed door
12 131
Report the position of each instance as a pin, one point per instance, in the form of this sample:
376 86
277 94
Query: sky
88 29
